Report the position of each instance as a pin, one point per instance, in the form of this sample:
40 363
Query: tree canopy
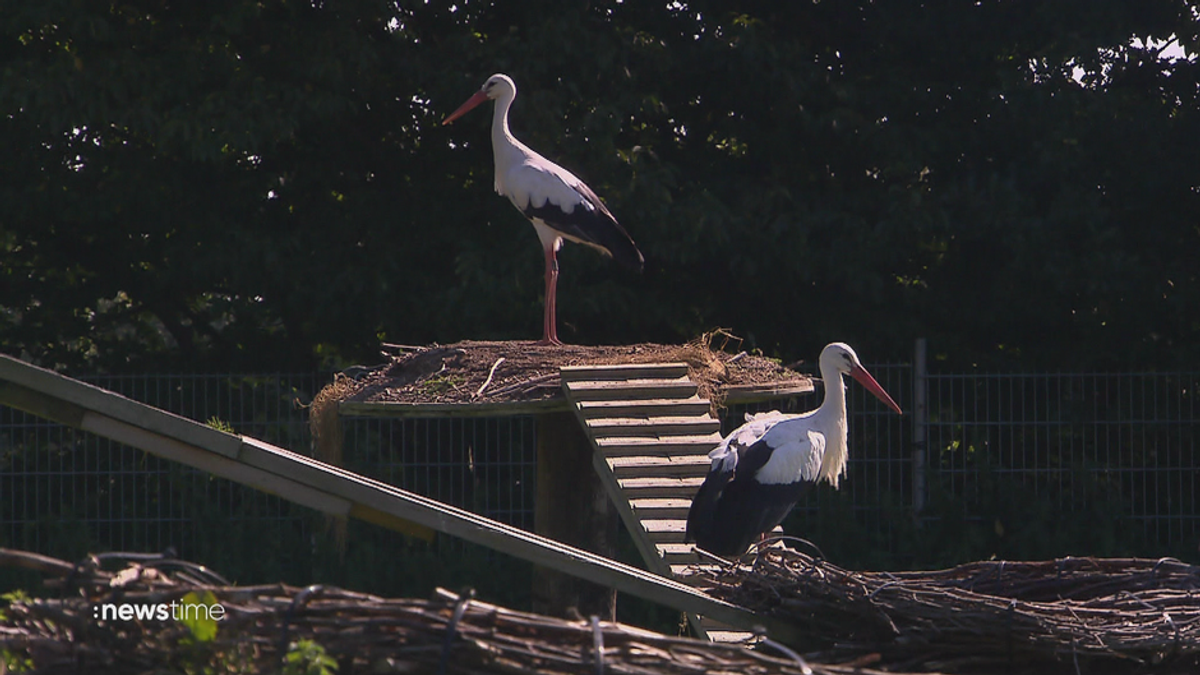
265 183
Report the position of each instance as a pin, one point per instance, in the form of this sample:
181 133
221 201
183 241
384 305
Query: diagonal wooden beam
335 490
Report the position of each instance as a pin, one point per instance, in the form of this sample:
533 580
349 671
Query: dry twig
1103 611
366 633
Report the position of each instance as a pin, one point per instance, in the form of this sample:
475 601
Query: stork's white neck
830 417
506 150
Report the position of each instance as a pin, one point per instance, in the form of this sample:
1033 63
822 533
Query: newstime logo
179 611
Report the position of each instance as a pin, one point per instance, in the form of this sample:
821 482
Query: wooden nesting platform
493 378
648 412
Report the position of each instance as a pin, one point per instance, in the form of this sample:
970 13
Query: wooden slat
660 426
651 467
676 554
755 393
660 508
663 531
605 390
731 636
660 487
624 371
646 408
618 446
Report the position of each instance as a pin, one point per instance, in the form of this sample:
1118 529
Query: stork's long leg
549 318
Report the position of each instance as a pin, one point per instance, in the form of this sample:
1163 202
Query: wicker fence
1012 465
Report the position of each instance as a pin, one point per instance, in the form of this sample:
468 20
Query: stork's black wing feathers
594 226
731 509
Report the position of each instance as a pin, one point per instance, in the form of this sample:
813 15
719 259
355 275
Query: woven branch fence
1086 614
449 633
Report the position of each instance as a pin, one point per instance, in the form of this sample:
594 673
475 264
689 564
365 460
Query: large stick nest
1110 615
489 372
450 633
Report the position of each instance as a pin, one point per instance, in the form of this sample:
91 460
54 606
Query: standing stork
559 205
760 470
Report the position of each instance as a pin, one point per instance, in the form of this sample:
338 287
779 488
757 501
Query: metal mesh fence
1011 465
485 465
66 492
1112 453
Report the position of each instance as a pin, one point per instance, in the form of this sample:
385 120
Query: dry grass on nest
705 366
325 425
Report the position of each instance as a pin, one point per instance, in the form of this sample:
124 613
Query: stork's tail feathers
702 516
621 247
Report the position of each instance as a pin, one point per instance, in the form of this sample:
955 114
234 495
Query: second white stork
761 469
559 205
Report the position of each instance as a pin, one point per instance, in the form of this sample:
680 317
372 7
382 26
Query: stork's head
840 358
497 86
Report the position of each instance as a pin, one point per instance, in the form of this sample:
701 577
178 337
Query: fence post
920 431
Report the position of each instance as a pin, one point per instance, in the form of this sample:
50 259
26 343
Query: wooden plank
620 446
757 393
653 467
660 487
675 507
659 426
383 498
458 410
587 390
114 406
214 463
328 478
624 371
676 554
529 546
36 403
731 636
665 531
680 571
647 408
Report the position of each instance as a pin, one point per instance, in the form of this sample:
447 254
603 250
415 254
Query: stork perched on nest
559 205
761 469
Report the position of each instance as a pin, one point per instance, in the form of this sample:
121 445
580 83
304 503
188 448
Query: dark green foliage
265 184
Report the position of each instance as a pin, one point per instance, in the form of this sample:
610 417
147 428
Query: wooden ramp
651 432
332 489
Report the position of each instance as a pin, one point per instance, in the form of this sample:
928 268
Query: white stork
760 470
559 205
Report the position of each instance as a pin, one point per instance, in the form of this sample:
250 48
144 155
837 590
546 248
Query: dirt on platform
489 372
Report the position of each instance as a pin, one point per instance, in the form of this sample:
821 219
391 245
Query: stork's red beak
463 109
864 378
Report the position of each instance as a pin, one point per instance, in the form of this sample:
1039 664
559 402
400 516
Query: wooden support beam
572 507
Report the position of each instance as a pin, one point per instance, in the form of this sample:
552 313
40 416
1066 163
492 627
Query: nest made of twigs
450 633
1106 613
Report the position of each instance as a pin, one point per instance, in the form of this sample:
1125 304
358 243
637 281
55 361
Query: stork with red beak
559 205
763 467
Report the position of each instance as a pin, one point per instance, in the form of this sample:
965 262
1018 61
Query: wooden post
573 508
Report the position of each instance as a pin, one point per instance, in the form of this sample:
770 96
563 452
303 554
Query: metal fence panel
66 491
1008 453
1074 441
